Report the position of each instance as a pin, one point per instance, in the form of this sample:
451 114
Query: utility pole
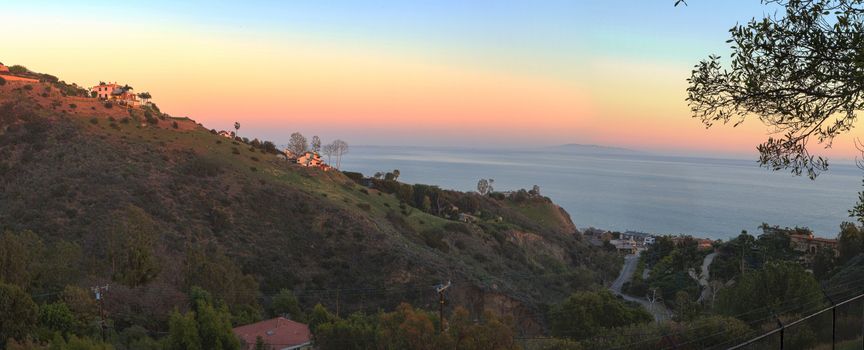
440 290
99 294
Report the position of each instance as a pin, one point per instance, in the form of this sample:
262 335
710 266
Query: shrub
253 168
94 120
73 106
2 81
254 158
364 206
125 120
174 125
28 87
218 142
44 94
202 167
235 150
364 191
112 119
434 239
357 177
109 105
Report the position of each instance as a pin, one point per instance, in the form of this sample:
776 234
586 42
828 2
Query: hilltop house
227 134
310 159
114 92
278 334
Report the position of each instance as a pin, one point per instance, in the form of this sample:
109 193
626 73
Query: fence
839 326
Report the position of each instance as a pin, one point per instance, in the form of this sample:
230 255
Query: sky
430 73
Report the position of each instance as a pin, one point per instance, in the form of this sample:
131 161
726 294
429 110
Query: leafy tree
132 256
492 334
211 270
183 332
18 69
358 332
286 303
799 72
80 301
58 318
583 314
396 174
759 293
318 316
20 258
19 313
298 144
850 241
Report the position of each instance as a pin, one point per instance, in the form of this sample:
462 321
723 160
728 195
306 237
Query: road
658 310
705 277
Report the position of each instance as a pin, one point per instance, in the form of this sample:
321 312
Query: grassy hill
243 223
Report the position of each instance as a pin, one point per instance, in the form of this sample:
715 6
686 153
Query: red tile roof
278 332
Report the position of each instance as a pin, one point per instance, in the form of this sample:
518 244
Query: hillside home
310 159
624 246
227 134
114 92
278 334
810 245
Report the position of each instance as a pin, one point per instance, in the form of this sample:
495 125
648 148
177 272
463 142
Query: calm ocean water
615 190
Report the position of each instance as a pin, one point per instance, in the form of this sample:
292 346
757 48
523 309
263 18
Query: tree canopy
800 72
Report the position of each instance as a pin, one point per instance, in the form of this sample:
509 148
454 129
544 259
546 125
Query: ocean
620 190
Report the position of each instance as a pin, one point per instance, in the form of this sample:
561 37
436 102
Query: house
810 246
124 95
310 159
704 244
277 333
227 134
649 240
624 246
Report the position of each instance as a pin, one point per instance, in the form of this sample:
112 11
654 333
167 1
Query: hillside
74 170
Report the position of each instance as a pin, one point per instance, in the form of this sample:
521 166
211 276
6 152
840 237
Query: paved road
705 277
626 274
658 310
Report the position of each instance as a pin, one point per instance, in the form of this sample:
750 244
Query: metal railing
811 331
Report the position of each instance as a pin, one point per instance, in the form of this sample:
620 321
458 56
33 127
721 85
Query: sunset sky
455 73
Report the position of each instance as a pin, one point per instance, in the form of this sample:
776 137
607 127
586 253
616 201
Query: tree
484 186
780 285
799 73
378 175
57 317
339 148
132 257
145 96
286 303
298 144
20 258
316 144
396 174
586 313
850 241
19 313
236 129
535 191
328 151
183 332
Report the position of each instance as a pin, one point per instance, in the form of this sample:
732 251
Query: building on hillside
468 218
4 69
809 246
310 159
649 240
124 95
227 134
705 244
624 246
277 333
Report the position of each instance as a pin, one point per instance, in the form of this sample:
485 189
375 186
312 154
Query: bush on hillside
202 167
2 81
109 105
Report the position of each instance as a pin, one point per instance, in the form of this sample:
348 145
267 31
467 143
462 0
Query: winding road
658 310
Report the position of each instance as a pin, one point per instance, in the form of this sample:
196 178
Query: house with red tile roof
278 334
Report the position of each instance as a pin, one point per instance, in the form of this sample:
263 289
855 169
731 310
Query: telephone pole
440 289
99 294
